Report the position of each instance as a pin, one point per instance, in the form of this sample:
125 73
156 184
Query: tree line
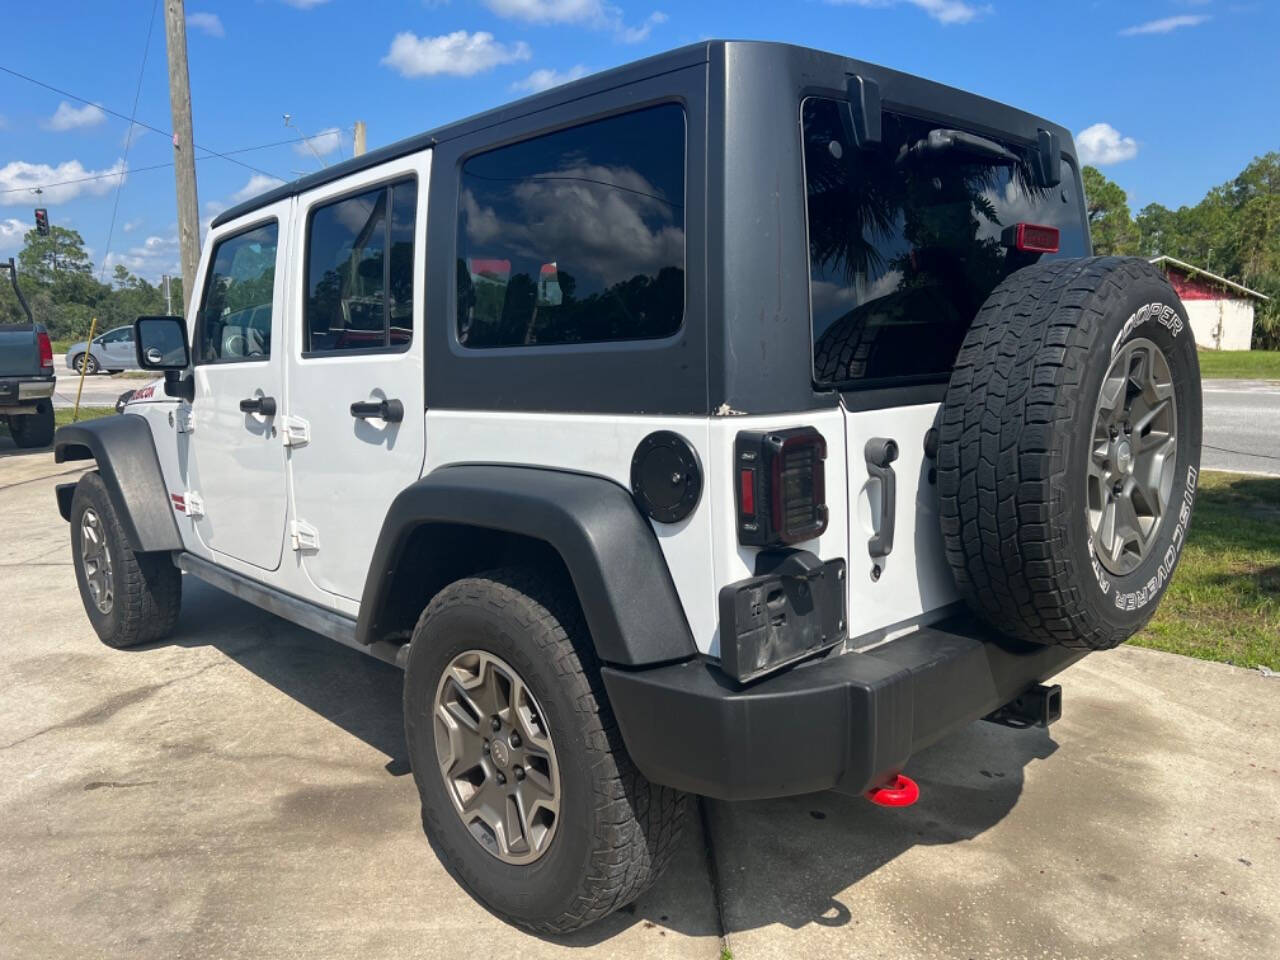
1233 232
58 280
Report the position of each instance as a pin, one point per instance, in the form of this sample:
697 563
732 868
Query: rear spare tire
1069 449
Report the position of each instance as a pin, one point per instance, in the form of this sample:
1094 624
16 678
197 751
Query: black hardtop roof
596 83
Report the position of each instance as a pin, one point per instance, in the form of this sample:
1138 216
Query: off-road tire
147 586
617 831
33 430
90 362
1014 441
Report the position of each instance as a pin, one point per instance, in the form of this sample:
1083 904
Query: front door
236 468
356 392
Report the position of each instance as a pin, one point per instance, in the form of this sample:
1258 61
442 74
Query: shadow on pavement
778 861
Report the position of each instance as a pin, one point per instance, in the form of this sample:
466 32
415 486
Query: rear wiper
946 141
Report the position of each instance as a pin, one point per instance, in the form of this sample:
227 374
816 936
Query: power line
155 166
128 140
121 116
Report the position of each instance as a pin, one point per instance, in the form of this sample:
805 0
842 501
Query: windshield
905 242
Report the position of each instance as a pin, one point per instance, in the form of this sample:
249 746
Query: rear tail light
1030 238
781 486
46 349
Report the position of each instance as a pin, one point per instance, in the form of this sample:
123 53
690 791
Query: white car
737 422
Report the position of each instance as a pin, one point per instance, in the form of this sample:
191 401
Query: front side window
360 271
576 236
235 314
905 243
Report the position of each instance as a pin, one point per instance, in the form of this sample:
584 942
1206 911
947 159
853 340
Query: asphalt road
1242 426
242 790
100 390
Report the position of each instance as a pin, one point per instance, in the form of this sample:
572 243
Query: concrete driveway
242 791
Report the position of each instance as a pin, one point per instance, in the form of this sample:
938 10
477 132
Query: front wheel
86 363
527 790
130 598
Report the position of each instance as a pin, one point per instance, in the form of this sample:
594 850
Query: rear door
117 349
356 391
905 246
235 466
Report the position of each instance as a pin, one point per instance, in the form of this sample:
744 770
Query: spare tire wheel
1069 448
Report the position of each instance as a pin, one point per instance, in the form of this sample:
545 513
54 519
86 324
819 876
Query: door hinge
296 431
186 423
303 536
194 505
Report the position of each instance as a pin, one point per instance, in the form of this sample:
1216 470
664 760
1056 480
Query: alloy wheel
95 560
496 757
1132 456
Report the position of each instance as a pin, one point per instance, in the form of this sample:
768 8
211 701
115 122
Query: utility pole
168 296
184 157
358 146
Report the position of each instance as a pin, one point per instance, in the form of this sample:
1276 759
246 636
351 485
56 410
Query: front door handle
880 452
263 405
392 411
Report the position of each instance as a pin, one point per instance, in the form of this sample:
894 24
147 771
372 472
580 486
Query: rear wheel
1069 451
527 790
130 598
33 430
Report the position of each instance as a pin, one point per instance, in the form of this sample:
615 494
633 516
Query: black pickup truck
26 376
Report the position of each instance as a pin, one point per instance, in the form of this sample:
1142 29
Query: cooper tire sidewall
545 887
1127 601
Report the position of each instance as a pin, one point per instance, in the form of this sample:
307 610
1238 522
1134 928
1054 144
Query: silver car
112 352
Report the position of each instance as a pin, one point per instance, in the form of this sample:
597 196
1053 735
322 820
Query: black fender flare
125 452
610 550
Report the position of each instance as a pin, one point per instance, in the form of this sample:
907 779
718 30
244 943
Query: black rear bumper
846 722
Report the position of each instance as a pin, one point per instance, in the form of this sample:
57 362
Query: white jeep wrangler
736 423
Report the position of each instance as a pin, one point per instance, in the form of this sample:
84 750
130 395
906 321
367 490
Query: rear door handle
880 453
263 405
392 411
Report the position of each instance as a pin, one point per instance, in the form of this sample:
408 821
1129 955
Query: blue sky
1169 97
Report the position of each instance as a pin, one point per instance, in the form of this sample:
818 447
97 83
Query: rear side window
576 236
360 272
235 314
905 245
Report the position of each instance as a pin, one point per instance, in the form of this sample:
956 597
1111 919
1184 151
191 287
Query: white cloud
459 53
150 259
944 11
323 143
139 132
545 79
12 230
1166 24
594 13
67 117
640 33
258 183
209 23
1102 144
131 225
21 177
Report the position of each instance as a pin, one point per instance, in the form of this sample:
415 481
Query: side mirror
161 343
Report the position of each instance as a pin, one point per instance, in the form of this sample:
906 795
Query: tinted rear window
576 236
902 254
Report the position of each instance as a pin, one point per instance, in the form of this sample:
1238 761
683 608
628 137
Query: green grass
60 346
1224 602
1240 364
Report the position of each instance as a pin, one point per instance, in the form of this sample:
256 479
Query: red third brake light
1031 238
46 350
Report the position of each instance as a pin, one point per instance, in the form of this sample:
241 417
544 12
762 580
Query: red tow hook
902 791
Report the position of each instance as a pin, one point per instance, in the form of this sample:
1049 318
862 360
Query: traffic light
42 221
